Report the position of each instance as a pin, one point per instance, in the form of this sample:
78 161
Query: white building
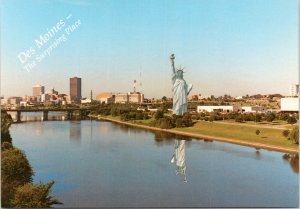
289 104
294 90
130 97
45 97
254 109
122 98
25 104
239 97
225 109
136 97
85 101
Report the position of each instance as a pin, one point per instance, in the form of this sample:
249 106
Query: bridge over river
82 112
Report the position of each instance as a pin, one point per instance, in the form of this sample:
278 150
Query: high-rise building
294 90
75 89
38 90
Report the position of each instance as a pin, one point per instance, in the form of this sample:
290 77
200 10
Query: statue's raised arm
172 57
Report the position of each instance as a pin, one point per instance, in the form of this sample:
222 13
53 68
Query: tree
178 122
6 121
15 171
286 133
15 167
257 132
257 117
34 196
6 145
270 117
239 119
249 117
124 117
187 120
165 122
284 116
165 106
292 120
159 114
294 135
211 118
145 116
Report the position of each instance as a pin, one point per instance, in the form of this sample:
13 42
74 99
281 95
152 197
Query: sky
234 47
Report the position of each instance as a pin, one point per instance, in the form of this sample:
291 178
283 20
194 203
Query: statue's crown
180 69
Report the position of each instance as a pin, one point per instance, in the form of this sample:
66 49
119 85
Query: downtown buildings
38 90
123 98
75 89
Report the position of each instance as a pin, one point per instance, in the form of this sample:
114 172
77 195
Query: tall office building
75 89
38 90
294 90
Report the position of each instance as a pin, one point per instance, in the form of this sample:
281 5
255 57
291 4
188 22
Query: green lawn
244 133
112 117
275 123
232 130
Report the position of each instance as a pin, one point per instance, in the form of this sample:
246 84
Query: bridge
68 111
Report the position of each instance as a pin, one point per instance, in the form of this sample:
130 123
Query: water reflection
116 169
293 159
37 116
160 136
179 158
75 130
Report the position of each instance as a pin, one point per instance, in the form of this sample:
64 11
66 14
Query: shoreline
213 138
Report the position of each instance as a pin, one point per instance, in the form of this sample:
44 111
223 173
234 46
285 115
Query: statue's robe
179 158
180 91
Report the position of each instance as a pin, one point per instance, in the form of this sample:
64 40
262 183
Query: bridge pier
69 114
45 115
82 114
18 116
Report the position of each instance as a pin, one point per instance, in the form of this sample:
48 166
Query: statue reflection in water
179 158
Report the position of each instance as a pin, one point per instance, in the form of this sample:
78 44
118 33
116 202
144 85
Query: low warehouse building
290 104
225 109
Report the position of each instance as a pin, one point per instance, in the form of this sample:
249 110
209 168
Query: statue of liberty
180 89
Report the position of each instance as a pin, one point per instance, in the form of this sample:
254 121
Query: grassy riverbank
247 133
270 138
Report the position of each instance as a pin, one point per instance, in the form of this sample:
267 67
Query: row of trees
129 112
17 189
166 122
239 117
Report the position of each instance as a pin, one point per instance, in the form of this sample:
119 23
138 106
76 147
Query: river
103 164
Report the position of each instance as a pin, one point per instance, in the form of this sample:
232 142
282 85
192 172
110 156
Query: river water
103 164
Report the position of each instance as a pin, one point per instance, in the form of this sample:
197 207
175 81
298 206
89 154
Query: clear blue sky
234 47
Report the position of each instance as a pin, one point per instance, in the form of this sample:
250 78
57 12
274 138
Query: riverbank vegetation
244 127
17 188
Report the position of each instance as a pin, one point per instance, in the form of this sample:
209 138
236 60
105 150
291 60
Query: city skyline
227 47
